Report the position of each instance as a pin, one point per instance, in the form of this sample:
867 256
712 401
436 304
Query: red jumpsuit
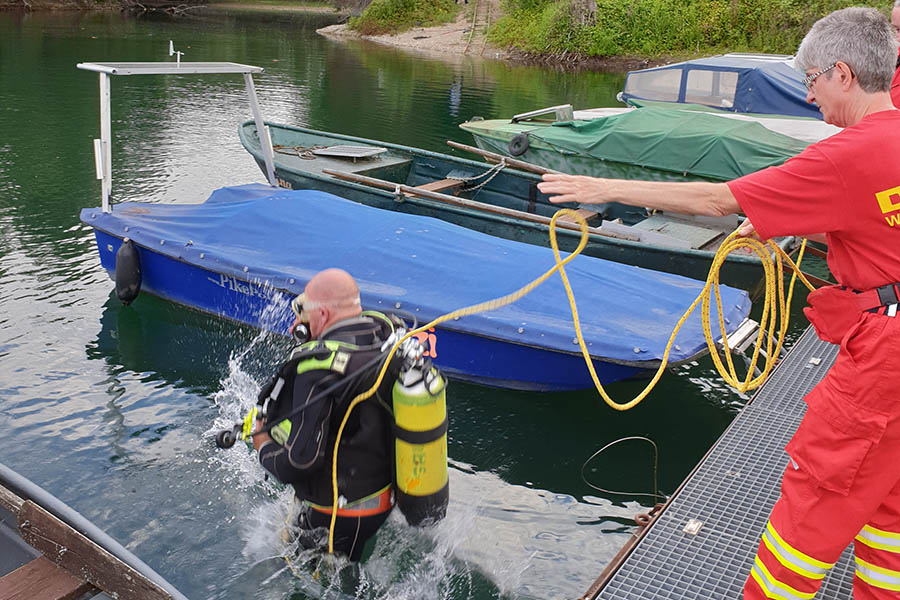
842 483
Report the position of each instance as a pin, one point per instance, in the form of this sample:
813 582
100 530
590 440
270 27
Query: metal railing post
105 141
265 142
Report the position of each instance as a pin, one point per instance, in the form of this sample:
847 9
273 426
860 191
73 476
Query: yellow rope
775 305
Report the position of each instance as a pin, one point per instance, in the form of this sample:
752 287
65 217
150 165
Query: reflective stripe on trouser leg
878 558
791 558
879 539
782 571
878 577
772 588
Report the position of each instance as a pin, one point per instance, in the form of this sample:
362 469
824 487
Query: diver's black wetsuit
301 450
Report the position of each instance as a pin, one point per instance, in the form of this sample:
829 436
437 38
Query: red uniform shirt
846 186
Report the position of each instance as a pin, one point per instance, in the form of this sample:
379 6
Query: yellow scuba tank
420 430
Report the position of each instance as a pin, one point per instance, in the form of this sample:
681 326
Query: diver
299 450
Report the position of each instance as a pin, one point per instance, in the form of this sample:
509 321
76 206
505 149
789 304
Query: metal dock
731 492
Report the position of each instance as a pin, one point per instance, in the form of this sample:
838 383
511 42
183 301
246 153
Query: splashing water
498 540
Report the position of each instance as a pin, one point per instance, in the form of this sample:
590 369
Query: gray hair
860 37
896 3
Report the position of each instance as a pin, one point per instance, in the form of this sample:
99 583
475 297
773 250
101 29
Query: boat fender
128 272
518 145
420 431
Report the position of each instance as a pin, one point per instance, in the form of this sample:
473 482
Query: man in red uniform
843 482
895 82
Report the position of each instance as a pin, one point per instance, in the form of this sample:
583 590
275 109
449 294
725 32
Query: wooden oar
462 202
494 157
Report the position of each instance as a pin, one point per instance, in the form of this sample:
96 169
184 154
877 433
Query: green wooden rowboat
495 199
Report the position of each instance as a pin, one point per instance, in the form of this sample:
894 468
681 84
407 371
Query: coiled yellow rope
776 305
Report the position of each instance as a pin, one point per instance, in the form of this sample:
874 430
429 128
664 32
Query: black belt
887 298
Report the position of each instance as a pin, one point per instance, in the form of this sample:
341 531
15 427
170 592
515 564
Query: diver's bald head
332 286
337 296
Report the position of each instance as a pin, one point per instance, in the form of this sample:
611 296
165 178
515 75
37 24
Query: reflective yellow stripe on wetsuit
281 431
316 364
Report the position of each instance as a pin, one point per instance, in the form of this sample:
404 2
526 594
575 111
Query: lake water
112 409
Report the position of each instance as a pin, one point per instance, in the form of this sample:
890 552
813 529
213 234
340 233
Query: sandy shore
451 38
273 8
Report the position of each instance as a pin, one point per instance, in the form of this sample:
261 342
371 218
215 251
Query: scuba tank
420 430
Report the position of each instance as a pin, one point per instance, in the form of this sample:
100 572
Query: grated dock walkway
732 492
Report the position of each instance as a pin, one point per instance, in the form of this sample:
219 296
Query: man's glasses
809 79
300 305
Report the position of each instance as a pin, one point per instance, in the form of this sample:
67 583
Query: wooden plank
651 238
585 213
71 550
10 501
440 185
494 157
40 579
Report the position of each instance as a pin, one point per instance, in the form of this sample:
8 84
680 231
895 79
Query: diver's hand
262 438
574 188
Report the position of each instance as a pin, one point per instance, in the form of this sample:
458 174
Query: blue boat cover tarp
428 266
764 85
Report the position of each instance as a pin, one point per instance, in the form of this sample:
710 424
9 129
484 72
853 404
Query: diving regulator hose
772 327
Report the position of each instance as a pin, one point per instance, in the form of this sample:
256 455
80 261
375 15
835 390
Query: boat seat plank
441 185
586 213
365 165
40 579
688 235
652 238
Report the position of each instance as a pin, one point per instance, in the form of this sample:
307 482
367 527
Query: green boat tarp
677 141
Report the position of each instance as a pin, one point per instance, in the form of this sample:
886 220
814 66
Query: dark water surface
112 408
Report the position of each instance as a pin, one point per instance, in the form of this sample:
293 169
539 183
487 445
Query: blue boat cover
428 266
764 85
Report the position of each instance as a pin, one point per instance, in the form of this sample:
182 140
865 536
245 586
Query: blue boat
246 251
766 84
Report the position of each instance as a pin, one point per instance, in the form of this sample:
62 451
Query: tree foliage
393 16
654 27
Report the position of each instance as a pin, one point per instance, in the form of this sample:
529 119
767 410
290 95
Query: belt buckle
887 295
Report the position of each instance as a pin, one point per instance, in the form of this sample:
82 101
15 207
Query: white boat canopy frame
103 146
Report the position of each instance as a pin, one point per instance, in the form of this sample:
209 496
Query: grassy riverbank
660 27
392 16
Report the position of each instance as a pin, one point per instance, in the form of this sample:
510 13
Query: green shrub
656 27
394 16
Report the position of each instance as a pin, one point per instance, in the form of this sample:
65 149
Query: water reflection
113 408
